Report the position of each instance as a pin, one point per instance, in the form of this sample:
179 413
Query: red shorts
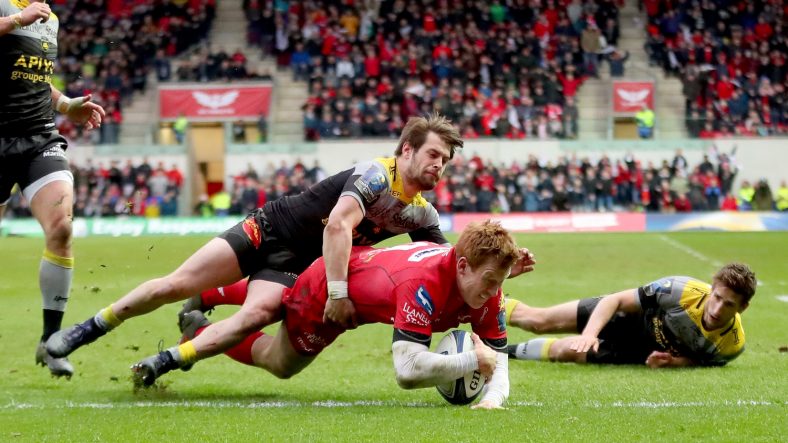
304 306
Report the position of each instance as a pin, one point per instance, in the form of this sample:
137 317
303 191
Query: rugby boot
189 325
192 304
146 372
58 367
66 341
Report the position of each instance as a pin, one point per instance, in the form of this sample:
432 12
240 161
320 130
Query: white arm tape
337 289
62 104
497 388
417 367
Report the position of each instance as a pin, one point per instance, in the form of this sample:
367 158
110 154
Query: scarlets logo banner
629 97
214 102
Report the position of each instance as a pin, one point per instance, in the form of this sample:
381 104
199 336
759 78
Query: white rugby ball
465 389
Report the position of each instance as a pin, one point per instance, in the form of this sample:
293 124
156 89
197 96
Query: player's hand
485 355
83 111
487 404
342 312
658 359
523 264
582 343
35 11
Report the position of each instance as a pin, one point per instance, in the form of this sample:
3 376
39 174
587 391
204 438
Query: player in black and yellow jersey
674 321
33 154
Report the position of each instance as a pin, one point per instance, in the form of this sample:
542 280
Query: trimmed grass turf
349 393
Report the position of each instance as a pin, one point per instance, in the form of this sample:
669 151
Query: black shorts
622 340
262 253
24 160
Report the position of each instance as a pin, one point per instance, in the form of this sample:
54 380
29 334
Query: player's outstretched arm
417 367
337 242
79 110
32 13
624 301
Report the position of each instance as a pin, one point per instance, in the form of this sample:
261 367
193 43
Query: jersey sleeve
489 322
415 307
659 294
366 183
431 229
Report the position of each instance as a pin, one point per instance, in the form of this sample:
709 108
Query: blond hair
739 278
415 133
482 241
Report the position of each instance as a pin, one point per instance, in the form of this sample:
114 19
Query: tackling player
363 205
420 288
674 321
33 153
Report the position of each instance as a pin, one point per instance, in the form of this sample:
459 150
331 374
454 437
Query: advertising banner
718 221
629 97
197 101
559 221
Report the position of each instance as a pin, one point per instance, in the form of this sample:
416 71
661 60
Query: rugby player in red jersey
419 288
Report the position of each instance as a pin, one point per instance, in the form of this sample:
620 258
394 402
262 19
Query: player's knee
283 372
560 352
58 232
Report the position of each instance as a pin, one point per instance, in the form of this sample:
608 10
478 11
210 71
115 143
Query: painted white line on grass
690 251
374 403
782 298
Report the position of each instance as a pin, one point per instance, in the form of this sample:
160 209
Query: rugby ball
465 389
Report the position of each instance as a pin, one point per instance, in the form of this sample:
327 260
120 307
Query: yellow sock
509 307
545 356
187 353
110 318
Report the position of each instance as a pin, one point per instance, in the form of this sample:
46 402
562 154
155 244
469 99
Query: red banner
629 97
215 102
559 221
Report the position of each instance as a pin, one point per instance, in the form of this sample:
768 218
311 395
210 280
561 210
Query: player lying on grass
420 288
360 206
674 321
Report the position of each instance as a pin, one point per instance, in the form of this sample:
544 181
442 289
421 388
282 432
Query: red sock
242 352
235 294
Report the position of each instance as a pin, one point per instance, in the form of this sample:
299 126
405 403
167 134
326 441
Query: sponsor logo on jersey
252 231
371 184
424 300
415 316
501 321
315 339
303 345
55 151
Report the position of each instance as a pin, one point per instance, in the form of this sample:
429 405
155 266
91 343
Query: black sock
52 322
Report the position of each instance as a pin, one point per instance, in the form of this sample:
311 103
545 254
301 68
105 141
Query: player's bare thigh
276 355
52 206
553 319
212 266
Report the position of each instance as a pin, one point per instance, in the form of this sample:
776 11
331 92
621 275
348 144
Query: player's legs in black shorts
621 341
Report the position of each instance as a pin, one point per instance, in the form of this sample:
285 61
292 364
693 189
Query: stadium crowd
108 48
565 184
503 69
731 59
118 189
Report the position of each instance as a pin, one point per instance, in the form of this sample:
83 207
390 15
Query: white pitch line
690 251
376 403
783 298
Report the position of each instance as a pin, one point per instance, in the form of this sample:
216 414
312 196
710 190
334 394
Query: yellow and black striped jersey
27 63
377 187
673 308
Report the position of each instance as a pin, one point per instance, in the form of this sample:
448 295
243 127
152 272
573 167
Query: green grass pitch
349 393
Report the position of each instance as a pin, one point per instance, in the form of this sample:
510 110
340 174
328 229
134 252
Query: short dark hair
415 133
739 278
